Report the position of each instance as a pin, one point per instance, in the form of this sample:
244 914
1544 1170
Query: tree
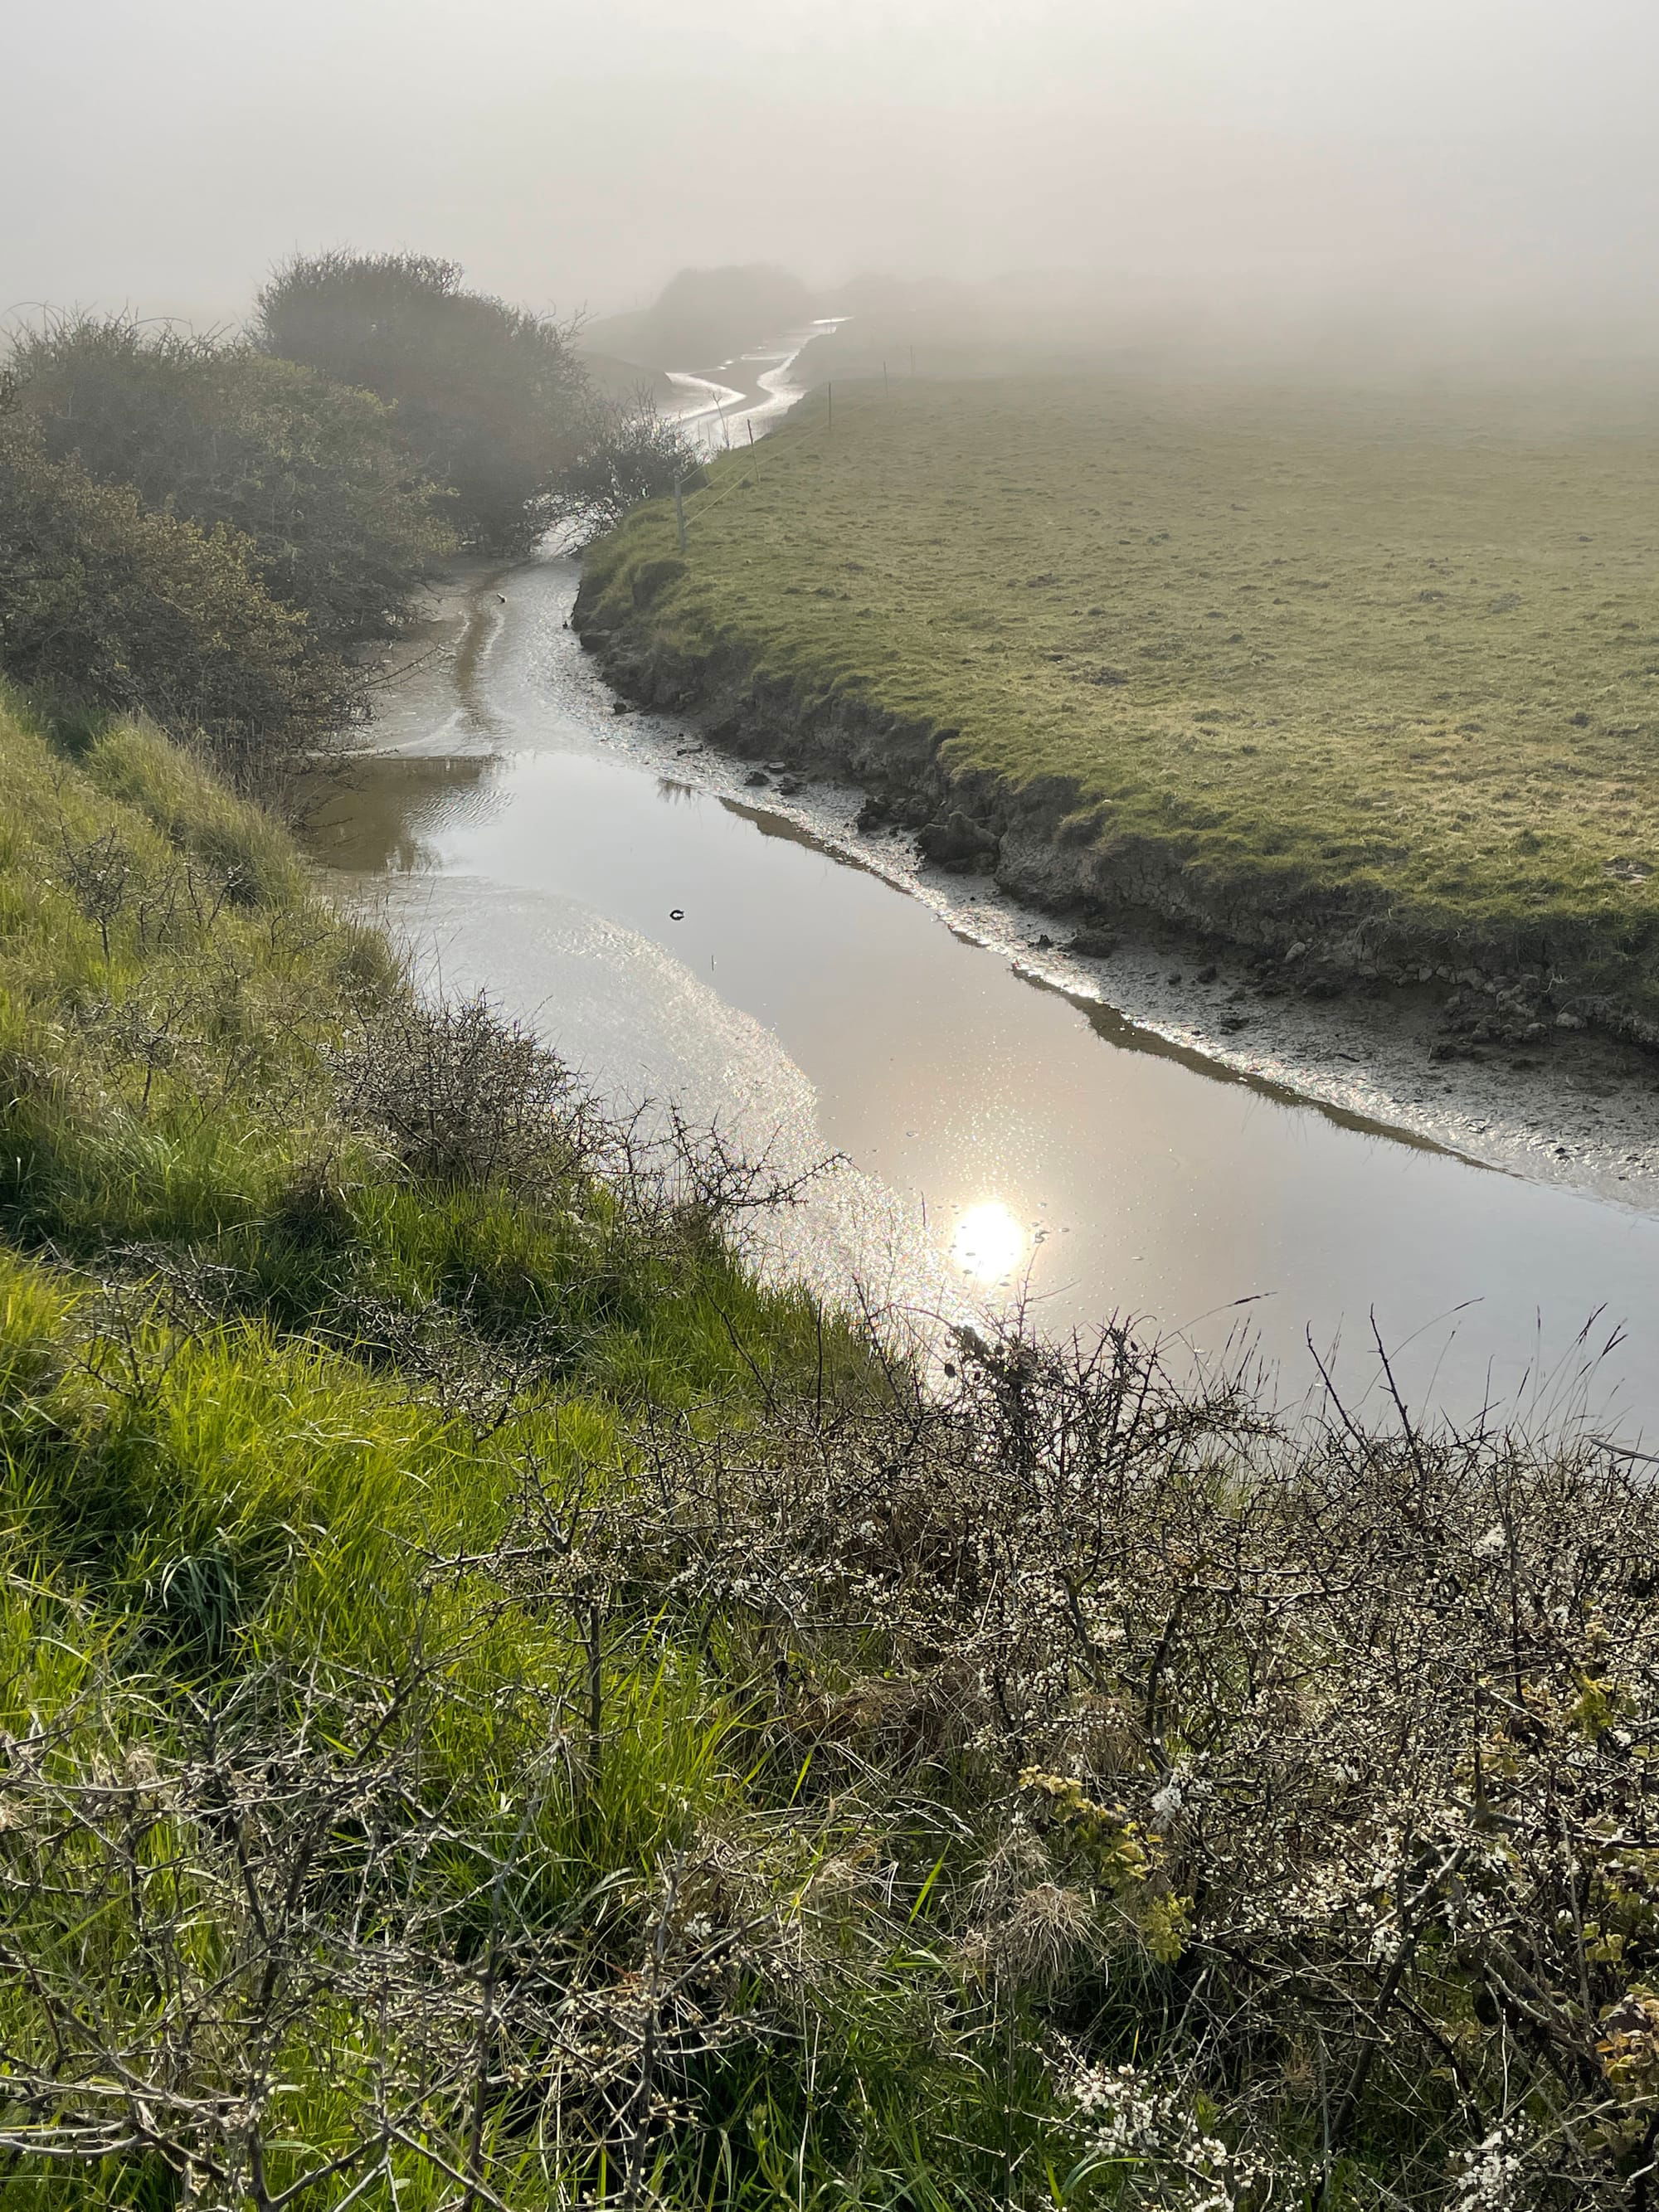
108 606
310 473
630 453
490 400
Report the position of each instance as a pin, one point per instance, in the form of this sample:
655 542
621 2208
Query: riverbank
1572 1107
939 1627
1455 930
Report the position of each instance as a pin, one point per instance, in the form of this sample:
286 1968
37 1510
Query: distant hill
702 317
624 379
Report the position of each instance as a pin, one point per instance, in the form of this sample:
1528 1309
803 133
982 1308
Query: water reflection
718 954
989 1243
384 810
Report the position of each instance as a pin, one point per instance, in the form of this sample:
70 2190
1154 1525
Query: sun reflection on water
989 1242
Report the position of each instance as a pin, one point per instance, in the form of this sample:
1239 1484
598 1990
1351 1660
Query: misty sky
163 152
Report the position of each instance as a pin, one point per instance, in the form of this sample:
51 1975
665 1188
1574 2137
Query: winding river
607 878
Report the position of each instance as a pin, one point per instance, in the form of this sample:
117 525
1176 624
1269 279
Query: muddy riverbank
1481 1060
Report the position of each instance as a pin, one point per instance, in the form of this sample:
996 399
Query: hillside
702 317
499 1708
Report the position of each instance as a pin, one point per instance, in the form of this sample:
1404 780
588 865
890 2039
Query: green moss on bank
1288 663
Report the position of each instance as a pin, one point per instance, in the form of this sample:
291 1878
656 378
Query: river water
1001 1141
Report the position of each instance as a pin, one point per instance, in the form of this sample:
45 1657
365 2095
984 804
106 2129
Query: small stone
757 779
1205 975
1568 1020
1045 943
1176 978
1298 950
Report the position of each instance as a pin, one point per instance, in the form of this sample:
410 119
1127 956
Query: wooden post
751 421
679 512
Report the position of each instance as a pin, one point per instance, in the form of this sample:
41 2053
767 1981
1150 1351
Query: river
605 878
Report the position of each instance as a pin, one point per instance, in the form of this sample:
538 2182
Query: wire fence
779 447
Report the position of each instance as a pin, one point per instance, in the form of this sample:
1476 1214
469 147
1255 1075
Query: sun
989 1242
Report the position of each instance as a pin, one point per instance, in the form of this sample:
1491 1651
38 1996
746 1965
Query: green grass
258 1386
1383 670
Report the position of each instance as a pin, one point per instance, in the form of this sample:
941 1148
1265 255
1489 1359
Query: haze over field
1478 156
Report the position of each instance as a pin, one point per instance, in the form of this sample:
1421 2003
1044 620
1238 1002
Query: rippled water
1001 1138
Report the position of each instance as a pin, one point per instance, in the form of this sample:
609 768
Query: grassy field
1381 669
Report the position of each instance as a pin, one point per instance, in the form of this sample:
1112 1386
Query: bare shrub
630 452
1286 1792
1345 1738
350 1916
462 1095
691 1180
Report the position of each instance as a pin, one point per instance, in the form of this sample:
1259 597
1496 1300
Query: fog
1476 156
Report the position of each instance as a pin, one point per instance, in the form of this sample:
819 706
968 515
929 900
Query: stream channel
605 879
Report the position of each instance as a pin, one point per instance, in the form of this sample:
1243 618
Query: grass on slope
261 1378
498 1710
1397 661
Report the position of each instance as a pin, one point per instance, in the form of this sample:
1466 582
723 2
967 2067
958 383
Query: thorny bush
1320 1764
463 1095
1286 1796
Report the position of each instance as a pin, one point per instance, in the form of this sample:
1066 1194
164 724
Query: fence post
679 512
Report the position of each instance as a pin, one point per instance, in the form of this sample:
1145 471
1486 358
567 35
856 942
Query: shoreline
1583 1119
1577 1112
